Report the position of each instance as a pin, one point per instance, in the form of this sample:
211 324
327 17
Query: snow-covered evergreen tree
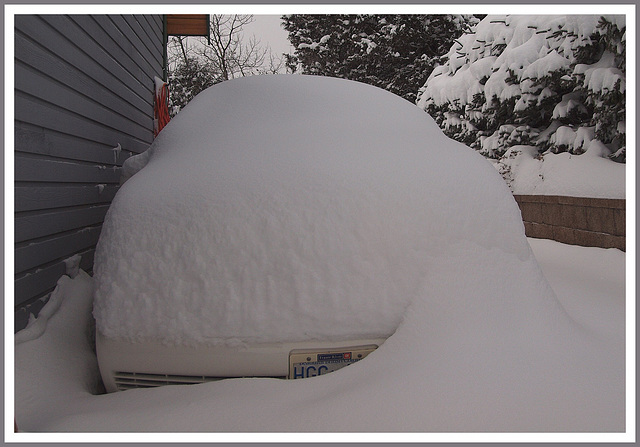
555 82
394 52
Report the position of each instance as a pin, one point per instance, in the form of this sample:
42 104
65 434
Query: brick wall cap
576 201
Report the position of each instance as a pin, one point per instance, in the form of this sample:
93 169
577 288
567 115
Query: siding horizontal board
30 139
99 43
39 170
86 55
141 58
34 286
33 55
83 87
30 198
154 27
117 49
136 22
45 251
34 111
49 222
40 85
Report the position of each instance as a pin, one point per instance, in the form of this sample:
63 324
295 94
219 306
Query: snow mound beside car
289 208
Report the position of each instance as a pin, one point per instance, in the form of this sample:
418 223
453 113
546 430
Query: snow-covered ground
423 238
56 375
587 175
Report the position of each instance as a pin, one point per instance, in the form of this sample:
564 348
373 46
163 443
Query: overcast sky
269 32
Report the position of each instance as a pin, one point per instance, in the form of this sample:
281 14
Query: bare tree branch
195 64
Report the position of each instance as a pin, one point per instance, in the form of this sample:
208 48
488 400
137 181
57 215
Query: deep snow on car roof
289 207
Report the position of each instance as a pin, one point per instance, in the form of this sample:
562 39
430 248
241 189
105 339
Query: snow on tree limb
541 74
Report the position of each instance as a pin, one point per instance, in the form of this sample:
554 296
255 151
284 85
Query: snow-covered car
281 226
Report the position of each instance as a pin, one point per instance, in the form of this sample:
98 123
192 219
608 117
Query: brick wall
575 220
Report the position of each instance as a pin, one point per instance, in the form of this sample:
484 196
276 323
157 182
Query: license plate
311 363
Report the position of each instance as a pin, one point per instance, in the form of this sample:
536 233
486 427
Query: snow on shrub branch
395 52
554 82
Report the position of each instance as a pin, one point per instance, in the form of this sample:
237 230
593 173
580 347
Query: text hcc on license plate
311 363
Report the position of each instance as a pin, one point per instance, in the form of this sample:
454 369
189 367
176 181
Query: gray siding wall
84 84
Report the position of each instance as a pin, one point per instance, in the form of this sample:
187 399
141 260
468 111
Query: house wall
84 86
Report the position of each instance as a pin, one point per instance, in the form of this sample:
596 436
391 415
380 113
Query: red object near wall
161 115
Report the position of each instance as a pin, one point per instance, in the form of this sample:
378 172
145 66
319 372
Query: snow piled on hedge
534 80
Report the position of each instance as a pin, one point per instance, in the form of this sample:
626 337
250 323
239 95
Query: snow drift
587 175
288 207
